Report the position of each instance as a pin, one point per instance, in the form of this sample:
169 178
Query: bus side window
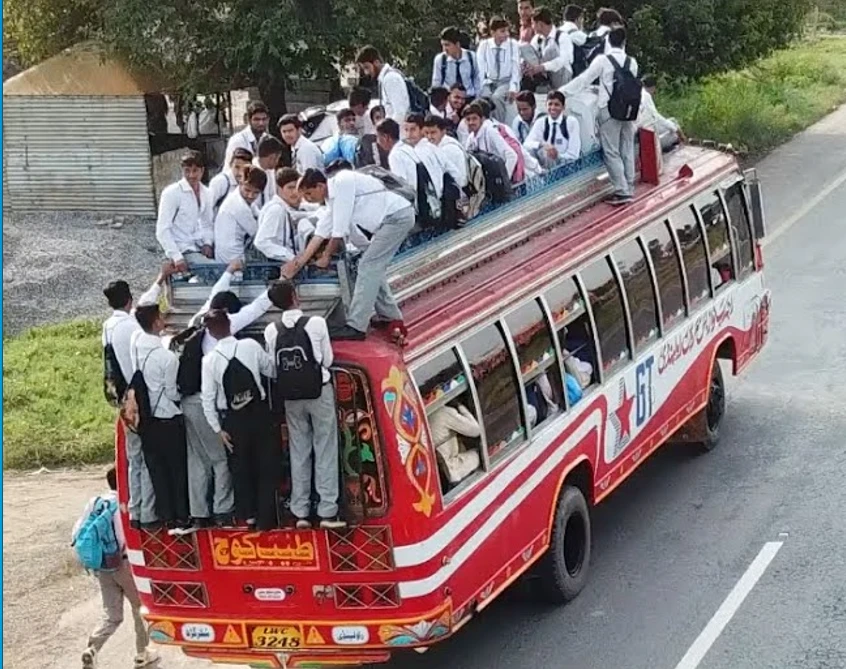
606 300
453 418
717 235
538 362
498 390
634 271
662 248
693 253
571 320
741 229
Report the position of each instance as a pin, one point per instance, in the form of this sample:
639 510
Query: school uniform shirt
185 221
109 496
358 205
434 162
339 147
121 325
649 116
393 93
243 139
455 158
159 367
488 139
235 225
317 332
548 131
276 233
402 161
434 111
269 188
222 183
576 34
601 68
499 63
522 128
305 154
526 33
250 353
555 51
464 71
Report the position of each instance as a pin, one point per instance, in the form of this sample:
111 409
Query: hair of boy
359 96
617 37
378 109
216 321
368 54
606 16
290 119
498 23
649 81
255 177
542 15
226 300
269 146
432 121
256 107
312 177
485 106
338 165
241 154
111 477
451 34
458 87
192 159
438 96
390 128
528 97
556 95
282 294
345 113
286 175
118 294
416 118
573 13
473 109
147 315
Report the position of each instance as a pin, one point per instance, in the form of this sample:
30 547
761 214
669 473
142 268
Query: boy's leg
300 448
269 469
176 455
123 578
199 465
142 498
154 442
326 456
111 595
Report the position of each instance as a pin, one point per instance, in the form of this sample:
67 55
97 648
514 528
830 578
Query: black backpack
239 384
562 126
225 195
428 203
365 151
114 383
418 99
470 56
584 54
624 97
135 409
188 345
497 179
298 375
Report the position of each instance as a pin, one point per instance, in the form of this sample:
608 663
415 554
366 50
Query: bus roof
438 315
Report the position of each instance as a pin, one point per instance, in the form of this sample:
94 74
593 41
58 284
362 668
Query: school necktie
458 73
498 63
554 130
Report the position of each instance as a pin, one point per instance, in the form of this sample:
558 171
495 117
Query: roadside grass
762 106
54 412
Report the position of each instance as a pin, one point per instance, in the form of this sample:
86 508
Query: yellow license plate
277 637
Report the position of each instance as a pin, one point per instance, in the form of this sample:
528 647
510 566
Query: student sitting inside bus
446 425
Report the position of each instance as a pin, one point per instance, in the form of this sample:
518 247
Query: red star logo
624 413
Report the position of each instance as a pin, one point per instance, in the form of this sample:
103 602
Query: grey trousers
504 110
313 431
142 499
617 139
371 286
114 586
197 258
207 464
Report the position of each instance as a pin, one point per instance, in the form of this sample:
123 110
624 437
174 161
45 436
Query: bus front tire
563 571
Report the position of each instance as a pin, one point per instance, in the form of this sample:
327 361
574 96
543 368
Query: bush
54 412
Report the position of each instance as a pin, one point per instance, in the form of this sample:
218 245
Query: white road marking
729 607
806 208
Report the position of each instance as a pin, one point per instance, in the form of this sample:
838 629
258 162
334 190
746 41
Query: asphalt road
672 543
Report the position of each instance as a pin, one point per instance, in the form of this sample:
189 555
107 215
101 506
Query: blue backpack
95 543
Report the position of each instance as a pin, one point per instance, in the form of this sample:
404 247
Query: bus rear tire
715 409
562 573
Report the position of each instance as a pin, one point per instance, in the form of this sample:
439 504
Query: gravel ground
55 265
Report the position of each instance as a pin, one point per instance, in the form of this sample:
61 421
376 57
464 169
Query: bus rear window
693 253
608 314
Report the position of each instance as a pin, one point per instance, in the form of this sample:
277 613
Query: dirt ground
50 605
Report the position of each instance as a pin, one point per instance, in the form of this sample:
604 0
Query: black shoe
618 200
347 333
153 526
224 520
135 524
202 523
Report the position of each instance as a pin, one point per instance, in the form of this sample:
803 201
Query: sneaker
303 524
332 523
251 523
618 200
182 529
89 658
347 333
145 659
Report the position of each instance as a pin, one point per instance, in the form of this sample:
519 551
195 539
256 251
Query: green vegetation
759 107
54 412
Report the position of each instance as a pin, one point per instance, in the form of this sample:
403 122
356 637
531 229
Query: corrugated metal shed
88 153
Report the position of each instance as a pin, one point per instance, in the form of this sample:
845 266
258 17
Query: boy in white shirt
555 138
527 114
402 160
305 154
455 157
667 129
554 49
484 137
433 160
227 180
257 118
499 62
279 236
393 91
237 221
268 157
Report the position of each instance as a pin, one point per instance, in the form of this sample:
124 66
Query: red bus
552 349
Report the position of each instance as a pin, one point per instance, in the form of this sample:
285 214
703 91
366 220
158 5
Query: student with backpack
573 27
485 139
554 50
394 89
235 406
527 114
100 546
227 180
117 373
618 104
151 408
456 65
555 138
302 356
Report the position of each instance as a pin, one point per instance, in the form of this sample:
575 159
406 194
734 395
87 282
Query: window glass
661 247
496 384
717 234
575 334
693 252
740 227
453 422
538 364
634 271
606 301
